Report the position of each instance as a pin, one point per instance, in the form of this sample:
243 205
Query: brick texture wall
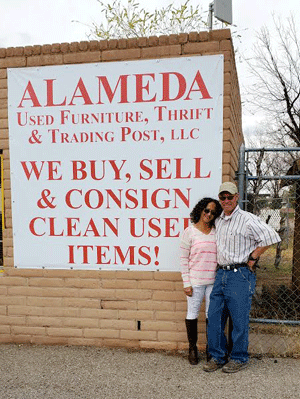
117 308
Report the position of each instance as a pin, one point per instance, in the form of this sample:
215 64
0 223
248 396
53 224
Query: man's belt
233 266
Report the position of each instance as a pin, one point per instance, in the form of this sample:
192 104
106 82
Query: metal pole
241 176
287 149
271 321
210 16
286 177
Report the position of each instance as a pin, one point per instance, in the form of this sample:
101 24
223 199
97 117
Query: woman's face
208 214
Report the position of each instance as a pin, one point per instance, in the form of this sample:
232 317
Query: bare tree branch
275 67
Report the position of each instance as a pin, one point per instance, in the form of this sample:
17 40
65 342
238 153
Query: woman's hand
188 291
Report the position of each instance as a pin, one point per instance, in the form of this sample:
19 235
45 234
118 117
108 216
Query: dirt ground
61 372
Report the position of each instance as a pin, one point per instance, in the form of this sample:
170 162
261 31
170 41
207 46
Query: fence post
241 176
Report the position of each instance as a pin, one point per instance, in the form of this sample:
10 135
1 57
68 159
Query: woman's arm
185 246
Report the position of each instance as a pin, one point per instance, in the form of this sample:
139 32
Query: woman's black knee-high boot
192 334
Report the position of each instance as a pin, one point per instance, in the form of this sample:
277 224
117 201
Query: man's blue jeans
232 290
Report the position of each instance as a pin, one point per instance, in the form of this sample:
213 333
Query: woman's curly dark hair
202 204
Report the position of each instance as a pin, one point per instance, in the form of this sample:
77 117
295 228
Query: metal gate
269 186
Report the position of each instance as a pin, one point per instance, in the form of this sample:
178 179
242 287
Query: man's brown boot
212 365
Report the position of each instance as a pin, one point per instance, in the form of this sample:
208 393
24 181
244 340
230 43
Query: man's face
228 201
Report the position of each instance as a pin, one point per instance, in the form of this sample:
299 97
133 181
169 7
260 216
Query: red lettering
198 170
170 227
186 223
162 168
93 170
144 199
178 170
111 194
52 169
32 226
91 227
72 226
154 227
119 253
166 203
166 86
102 255
32 96
114 229
68 198
140 88
79 166
85 249
50 101
83 94
132 224
201 87
116 169
184 199
71 254
173 86
34 169
110 94
132 199
99 198
144 255
146 169
160 198
52 232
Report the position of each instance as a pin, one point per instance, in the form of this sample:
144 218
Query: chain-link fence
275 313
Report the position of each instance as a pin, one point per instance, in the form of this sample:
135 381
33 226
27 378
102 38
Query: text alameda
144 88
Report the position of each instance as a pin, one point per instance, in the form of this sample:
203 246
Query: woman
198 260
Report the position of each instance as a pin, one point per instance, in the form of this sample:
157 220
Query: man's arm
255 255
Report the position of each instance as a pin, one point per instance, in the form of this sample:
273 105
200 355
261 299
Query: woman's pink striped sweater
198 257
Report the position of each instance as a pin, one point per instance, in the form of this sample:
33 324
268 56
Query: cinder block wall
102 308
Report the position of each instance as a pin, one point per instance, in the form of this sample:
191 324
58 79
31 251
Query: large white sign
108 159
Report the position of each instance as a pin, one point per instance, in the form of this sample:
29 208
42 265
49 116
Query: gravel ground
55 372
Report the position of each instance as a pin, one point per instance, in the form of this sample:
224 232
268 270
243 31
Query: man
241 239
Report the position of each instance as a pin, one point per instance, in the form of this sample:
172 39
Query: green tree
131 20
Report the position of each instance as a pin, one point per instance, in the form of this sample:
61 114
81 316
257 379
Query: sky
31 22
